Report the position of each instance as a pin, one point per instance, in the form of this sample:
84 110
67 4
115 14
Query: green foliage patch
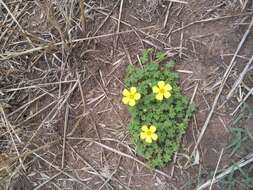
170 116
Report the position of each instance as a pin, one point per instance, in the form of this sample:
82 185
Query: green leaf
170 116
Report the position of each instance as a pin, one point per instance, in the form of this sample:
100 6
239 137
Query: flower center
131 96
148 133
162 90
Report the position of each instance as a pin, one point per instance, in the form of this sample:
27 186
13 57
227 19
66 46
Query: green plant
239 179
246 112
240 136
167 116
241 139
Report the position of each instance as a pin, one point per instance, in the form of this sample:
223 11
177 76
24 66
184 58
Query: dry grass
62 65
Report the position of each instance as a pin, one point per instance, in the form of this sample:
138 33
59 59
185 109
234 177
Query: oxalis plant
159 111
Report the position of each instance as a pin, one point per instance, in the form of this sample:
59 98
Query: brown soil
98 153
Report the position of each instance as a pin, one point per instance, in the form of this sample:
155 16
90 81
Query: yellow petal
132 102
159 97
148 139
125 100
133 90
125 92
167 94
143 135
137 96
154 137
161 84
168 87
152 128
155 89
144 128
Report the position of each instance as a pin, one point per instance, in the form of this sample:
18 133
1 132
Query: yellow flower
130 96
148 133
162 90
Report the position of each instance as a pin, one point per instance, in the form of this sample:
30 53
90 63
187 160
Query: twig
7 55
173 165
217 166
27 104
55 110
126 52
89 165
240 78
119 21
94 124
244 4
106 18
12 22
181 42
131 175
36 86
243 162
35 114
64 136
13 17
106 95
110 177
184 71
244 99
130 157
63 172
129 25
47 181
178 1
194 93
29 151
81 92
167 15
213 9
82 15
10 130
209 20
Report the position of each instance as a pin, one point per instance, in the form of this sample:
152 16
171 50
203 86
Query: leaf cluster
170 116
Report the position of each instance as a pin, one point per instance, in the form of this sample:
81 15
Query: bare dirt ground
62 71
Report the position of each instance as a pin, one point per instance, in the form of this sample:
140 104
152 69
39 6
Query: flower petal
159 97
137 96
133 90
143 135
168 87
149 140
167 94
152 128
125 92
125 100
144 128
155 89
132 102
154 136
161 84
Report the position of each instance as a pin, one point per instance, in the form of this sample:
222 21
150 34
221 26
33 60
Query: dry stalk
62 171
119 20
15 20
9 55
10 131
240 78
64 136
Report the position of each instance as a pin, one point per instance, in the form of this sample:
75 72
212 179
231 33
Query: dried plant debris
62 71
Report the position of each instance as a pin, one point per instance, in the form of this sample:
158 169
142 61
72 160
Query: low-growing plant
159 111
241 136
238 180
